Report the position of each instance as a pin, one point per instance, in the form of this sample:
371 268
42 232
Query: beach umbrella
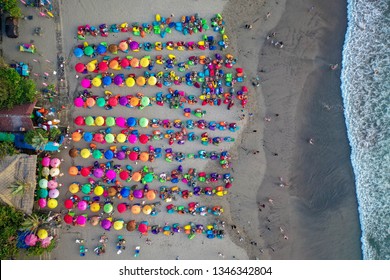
134 45
138 194
132 122
97 154
101 49
103 66
144 62
88 50
101 102
108 154
78 52
121 138
106 224
89 121
134 101
90 102
130 82
45 171
31 239
118 80
68 219
148 178
76 136
136 176
114 64
120 121
125 192
109 138
110 174
144 156
152 80
98 172
42 202
43 183
54 193
94 220
110 121
124 175
135 209
141 81
142 228
121 155
54 172
81 220
85 153
45 161
113 101
134 62
73 171
82 205
42 193
143 122
145 101
78 102
125 63
147 209
150 195
99 121
95 207
108 208
91 66
96 82
85 171
133 156
143 139
112 191
79 120
68 203
85 83
98 137
52 203
113 48
122 207
118 225
74 188
55 162
131 225
98 190
86 188
123 46
107 81
42 234
87 136
132 138
51 185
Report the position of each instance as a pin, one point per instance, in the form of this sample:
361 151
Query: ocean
365 88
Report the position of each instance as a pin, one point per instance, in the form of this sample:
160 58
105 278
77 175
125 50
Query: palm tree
39 142
32 223
19 188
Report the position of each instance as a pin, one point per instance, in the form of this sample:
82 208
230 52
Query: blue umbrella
125 192
87 136
131 121
101 49
108 154
78 52
107 80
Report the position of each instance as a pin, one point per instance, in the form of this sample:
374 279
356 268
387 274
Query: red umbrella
79 120
98 137
68 219
143 139
113 101
103 66
68 204
125 63
133 156
79 67
85 171
121 207
143 228
124 175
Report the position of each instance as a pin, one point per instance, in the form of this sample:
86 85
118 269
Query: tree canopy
11 6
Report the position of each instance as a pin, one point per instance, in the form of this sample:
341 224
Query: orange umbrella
134 101
123 46
150 195
136 176
147 209
136 209
114 64
141 81
134 62
144 156
73 171
76 136
90 102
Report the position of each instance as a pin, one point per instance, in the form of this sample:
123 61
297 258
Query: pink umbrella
55 162
120 121
31 240
111 174
106 224
46 161
51 185
54 193
122 207
98 173
42 202
138 193
143 228
46 242
78 102
82 205
132 138
86 83
81 220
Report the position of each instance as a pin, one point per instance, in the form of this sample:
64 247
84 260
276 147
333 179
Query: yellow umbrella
85 153
95 207
121 138
145 62
99 121
118 225
130 82
74 188
141 81
52 203
42 233
91 66
152 80
147 209
98 190
96 82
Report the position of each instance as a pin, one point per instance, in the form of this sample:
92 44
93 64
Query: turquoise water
366 93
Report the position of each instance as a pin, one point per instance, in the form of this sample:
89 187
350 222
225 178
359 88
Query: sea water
366 93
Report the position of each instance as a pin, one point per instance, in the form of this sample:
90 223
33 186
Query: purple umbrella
121 155
54 193
106 224
79 102
120 121
123 100
98 173
111 174
118 80
86 83
134 45
138 193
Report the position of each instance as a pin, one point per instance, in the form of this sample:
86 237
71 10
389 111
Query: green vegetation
37 138
12 7
14 89
10 221
7 149
19 188
38 250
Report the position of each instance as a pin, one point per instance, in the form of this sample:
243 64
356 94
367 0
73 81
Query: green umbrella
108 208
110 121
88 51
42 193
89 121
109 138
43 183
143 122
145 101
101 102
86 188
148 178
97 154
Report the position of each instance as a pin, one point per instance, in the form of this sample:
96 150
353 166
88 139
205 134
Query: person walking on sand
311 141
